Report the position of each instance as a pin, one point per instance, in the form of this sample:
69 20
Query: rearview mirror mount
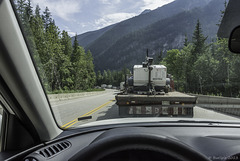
234 40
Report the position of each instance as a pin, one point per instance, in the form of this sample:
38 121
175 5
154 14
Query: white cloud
62 8
104 1
109 1
112 19
153 4
71 34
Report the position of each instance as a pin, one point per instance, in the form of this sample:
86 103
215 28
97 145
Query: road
100 107
103 106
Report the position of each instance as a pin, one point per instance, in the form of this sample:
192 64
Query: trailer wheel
166 89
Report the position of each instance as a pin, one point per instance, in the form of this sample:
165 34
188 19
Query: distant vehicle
146 94
97 87
103 86
122 86
109 86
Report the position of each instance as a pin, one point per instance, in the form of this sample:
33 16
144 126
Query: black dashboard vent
54 149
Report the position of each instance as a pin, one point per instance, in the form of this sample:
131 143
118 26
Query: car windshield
143 60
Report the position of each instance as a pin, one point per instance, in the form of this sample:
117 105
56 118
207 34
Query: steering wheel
152 144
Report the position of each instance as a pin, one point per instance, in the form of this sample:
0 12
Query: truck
149 92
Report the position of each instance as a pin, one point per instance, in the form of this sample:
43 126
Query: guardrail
225 105
204 99
68 96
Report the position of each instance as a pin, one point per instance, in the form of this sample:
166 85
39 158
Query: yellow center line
69 124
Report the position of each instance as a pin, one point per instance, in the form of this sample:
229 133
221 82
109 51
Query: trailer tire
166 89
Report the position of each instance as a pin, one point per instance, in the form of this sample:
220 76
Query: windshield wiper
207 121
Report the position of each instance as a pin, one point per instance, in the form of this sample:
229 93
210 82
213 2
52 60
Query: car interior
29 131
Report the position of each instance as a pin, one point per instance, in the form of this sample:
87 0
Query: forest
198 67
62 66
204 68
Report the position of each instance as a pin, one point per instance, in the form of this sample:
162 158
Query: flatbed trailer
172 104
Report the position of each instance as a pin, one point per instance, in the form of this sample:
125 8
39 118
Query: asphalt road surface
103 106
100 107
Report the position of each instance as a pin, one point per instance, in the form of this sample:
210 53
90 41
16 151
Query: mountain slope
88 37
100 45
162 35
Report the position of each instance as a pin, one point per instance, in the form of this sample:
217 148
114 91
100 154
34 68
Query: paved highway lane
98 106
103 106
199 112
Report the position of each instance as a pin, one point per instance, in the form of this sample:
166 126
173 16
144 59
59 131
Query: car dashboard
214 142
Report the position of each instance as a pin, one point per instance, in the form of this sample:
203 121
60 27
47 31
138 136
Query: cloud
112 19
71 34
104 1
62 8
153 4
109 2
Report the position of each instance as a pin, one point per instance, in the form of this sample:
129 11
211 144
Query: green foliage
213 70
168 33
198 41
61 66
112 77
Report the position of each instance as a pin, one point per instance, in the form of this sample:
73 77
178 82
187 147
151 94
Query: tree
79 70
206 71
159 57
105 77
90 70
47 18
224 69
66 77
67 43
21 6
185 41
28 10
198 41
75 47
37 11
61 65
174 62
99 78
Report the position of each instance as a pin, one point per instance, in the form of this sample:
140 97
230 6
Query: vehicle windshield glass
101 59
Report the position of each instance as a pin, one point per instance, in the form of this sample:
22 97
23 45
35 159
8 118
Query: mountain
100 45
147 17
124 44
160 36
146 11
88 37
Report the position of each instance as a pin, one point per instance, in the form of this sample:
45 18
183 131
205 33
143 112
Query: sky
80 16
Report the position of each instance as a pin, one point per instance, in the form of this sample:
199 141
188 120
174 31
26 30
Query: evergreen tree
75 47
185 41
198 41
79 70
105 77
91 76
20 6
99 78
66 77
28 10
160 57
47 20
37 11
67 43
